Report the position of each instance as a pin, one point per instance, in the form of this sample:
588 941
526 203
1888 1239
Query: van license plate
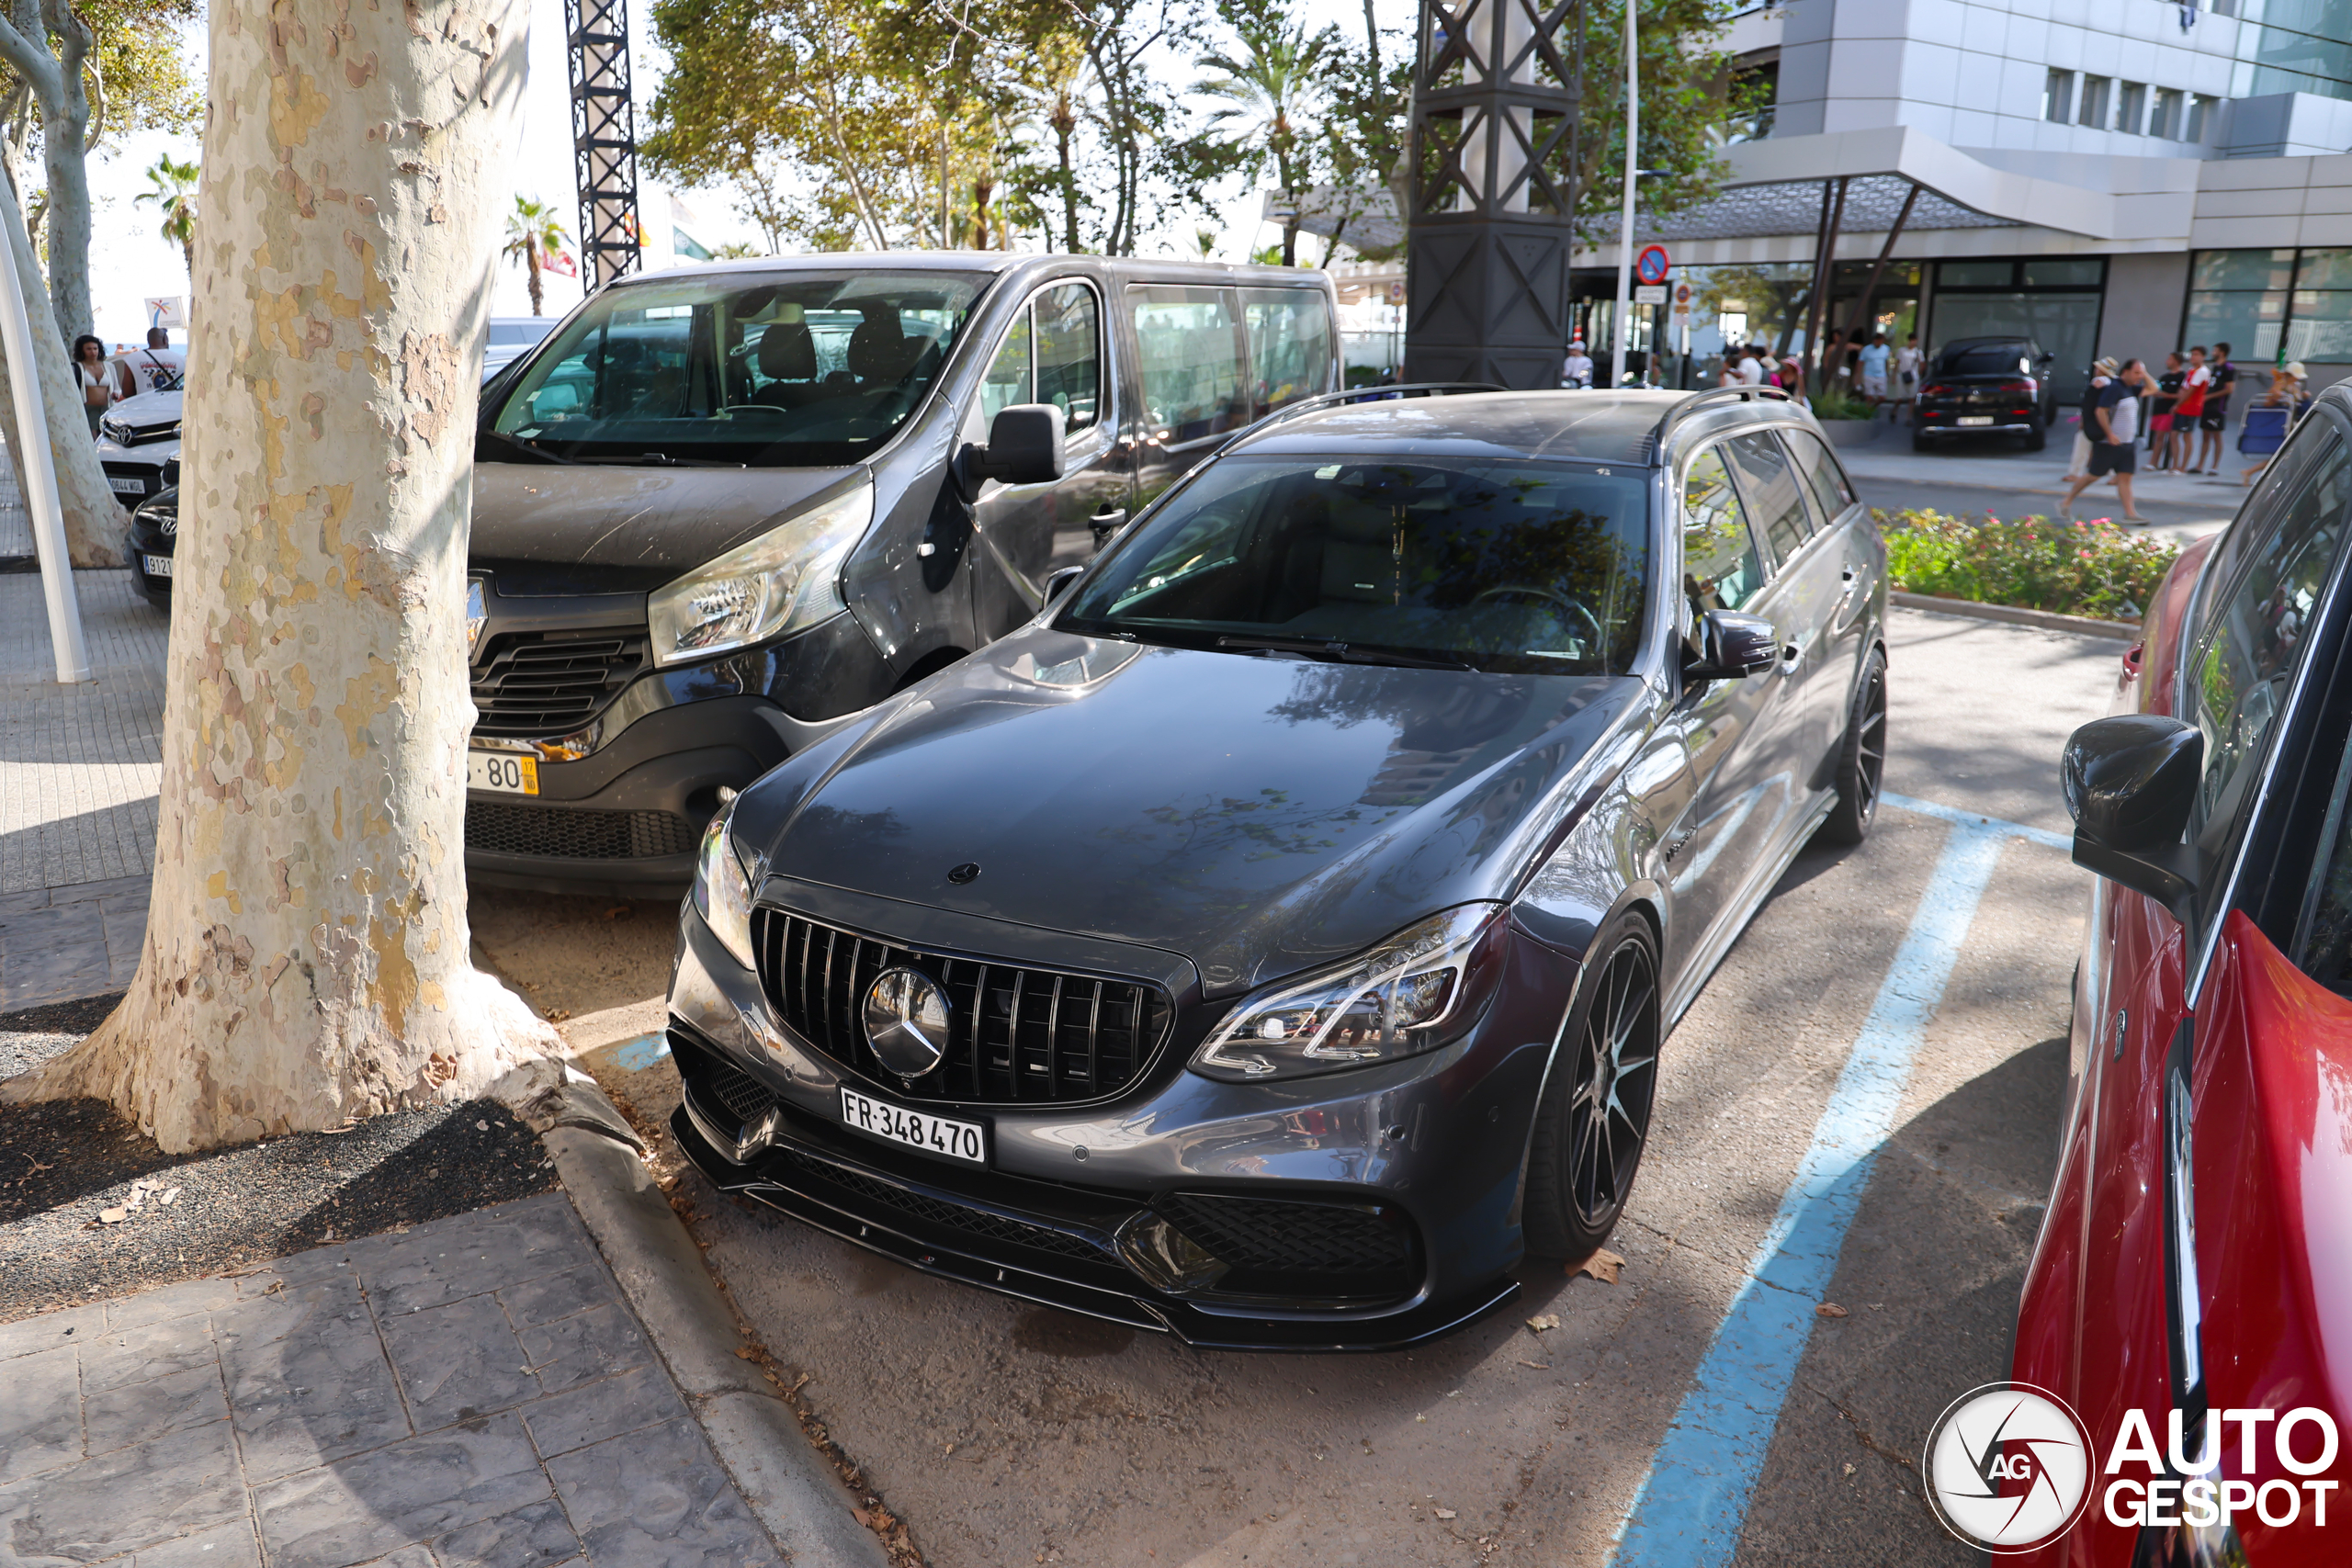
127 485
1976 419
508 773
965 1140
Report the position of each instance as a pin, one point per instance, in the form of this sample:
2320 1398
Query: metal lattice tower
604 137
1496 89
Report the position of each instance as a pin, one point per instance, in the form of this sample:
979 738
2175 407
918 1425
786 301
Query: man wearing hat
2078 466
1578 370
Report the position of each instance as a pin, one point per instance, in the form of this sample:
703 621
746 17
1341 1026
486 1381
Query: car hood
543 529
1256 814
148 408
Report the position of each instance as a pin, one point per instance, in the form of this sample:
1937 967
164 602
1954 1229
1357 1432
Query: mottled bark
94 518
306 958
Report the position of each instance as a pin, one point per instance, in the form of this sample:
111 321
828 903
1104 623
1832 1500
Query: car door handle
1109 517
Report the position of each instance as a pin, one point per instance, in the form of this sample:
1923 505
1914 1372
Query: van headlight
787 579
723 888
1412 993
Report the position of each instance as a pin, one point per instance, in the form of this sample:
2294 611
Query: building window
2166 122
2132 108
2319 313
2094 105
2058 96
2200 117
2240 298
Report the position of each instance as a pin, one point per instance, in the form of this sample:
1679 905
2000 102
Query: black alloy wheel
1595 1119
1862 759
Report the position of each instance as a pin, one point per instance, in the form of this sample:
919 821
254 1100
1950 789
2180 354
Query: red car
2193 1278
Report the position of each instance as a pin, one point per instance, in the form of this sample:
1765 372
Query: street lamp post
1621 325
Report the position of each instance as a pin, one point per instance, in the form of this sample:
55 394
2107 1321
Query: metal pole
1622 326
37 475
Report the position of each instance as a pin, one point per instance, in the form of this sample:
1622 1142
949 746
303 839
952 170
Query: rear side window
1191 354
1774 493
1720 568
1830 487
1290 346
2245 655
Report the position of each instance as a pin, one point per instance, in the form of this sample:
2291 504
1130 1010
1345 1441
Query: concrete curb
2123 631
790 1486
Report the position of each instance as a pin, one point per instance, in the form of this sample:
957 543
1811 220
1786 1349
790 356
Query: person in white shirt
158 367
1577 372
1751 368
2114 448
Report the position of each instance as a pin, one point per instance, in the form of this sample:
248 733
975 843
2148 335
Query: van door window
1290 346
1775 495
1010 372
1720 568
1070 353
1192 362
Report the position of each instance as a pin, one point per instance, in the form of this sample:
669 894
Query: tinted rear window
1986 359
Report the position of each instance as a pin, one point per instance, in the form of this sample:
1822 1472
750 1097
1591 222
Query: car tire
1862 759
1594 1118
2037 439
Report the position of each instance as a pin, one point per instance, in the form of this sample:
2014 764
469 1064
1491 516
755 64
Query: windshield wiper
1345 652
664 460
533 448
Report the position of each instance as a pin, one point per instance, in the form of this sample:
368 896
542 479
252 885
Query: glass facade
2056 300
2273 305
2292 46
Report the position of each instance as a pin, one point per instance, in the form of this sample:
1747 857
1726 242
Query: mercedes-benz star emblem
906 1021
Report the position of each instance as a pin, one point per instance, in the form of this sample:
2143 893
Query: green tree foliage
1271 97
1689 91
171 185
534 233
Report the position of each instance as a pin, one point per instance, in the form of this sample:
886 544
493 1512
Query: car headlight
1410 994
787 579
723 888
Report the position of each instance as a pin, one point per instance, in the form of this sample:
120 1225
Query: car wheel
1595 1117
1862 759
2037 439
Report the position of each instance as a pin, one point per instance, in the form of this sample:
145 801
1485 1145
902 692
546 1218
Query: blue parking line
1688 1510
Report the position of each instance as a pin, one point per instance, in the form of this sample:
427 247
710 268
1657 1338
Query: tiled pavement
58 943
471 1394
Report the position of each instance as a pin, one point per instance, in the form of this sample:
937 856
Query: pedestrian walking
2216 415
101 382
1751 366
1877 357
2161 404
158 367
2078 463
1906 372
2116 451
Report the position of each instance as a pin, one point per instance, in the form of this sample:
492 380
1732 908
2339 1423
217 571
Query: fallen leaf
1549 1320
169 1198
948 1451
1829 1309
621 912
1603 1266
1447 1514
559 1015
38 1167
748 1352
1539 1366
1849 1467
113 1216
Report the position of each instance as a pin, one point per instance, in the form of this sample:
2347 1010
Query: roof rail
1357 394
1698 402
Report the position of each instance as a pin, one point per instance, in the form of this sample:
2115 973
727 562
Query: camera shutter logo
2007 1467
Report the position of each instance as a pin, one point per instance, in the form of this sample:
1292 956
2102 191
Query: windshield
793 369
1521 567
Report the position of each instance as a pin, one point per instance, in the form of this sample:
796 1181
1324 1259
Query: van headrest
880 351
788 353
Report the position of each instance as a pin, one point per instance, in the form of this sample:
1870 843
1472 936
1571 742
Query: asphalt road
1004 1433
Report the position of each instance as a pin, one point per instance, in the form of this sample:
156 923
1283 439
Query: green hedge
2076 568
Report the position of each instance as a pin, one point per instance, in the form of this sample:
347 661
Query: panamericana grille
563 832
1269 1236
551 682
1015 1035
938 1211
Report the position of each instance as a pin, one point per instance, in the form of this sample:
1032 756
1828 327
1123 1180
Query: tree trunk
63 132
305 956
95 520
538 298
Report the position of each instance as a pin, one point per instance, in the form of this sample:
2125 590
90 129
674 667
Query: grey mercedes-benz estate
1272 940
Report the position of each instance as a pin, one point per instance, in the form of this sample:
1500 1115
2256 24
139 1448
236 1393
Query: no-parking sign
1651 265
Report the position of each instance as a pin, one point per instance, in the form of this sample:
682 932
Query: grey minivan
722 508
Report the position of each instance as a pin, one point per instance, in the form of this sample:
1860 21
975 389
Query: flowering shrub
2076 568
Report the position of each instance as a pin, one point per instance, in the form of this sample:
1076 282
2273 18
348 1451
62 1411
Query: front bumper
1439 1139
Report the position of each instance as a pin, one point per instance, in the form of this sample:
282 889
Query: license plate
966 1141
508 773
157 566
1976 419
127 485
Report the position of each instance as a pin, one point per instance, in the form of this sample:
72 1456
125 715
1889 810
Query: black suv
1986 386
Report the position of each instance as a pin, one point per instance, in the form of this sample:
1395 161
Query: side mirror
2130 783
1732 646
1059 580
1024 449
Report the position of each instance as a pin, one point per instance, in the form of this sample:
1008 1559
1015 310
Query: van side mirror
1731 646
1024 449
2131 782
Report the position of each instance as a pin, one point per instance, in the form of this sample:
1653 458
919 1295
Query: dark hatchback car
1985 386
1270 941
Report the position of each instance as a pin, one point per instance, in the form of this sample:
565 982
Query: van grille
1015 1035
551 683
562 832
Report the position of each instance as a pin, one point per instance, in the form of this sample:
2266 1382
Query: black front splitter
1161 1315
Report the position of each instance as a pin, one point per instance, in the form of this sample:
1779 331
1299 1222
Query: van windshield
802 369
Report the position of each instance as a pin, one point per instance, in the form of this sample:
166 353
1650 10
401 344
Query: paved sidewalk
469 1393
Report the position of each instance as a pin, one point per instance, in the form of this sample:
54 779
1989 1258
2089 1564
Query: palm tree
1265 94
532 235
175 198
